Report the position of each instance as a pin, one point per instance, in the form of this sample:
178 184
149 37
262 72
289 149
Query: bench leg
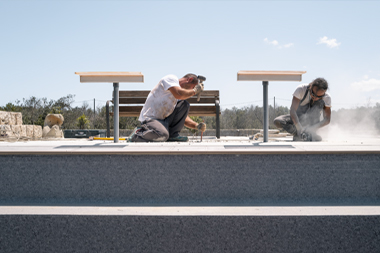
217 119
108 118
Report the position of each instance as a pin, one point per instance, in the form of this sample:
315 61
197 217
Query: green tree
83 122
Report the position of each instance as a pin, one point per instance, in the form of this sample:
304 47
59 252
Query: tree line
34 110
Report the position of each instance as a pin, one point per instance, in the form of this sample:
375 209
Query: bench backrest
133 97
139 97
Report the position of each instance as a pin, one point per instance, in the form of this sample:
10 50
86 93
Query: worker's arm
190 123
194 125
293 115
180 93
326 118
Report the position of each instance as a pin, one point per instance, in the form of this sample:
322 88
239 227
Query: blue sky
44 42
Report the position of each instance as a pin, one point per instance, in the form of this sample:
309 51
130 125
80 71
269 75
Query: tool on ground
105 138
201 79
306 136
202 127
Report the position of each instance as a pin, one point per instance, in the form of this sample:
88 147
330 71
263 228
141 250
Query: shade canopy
260 75
111 77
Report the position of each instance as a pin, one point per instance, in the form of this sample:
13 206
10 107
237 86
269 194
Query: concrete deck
193 210
209 145
227 195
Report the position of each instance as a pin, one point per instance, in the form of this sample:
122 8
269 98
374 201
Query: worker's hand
300 129
202 127
198 88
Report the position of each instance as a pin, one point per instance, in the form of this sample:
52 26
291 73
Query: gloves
201 127
300 129
198 88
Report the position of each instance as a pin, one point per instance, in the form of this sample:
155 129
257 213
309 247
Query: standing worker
165 111
310 102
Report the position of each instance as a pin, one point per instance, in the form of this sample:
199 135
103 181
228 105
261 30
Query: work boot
133 135
179 138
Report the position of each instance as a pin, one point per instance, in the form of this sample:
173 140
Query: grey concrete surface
33 233
209 145
193 210
179 180
228 195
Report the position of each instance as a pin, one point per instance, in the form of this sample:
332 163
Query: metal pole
116 113
108 118
265 108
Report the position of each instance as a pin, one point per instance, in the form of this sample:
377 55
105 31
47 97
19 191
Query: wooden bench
131 99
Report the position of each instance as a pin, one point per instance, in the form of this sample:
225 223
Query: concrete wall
190 180
21 233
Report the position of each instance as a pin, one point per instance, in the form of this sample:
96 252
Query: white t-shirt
160 102
301 90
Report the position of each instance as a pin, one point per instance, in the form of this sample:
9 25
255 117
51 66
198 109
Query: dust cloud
352 124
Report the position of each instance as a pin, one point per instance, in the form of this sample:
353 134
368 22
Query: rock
16 130
52 126
16 118
6 131
271 131
5 118
23 130
45 131
29 131
54 132
53 119
37 132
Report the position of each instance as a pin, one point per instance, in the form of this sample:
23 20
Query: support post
108 118
265 108
217 106
116 113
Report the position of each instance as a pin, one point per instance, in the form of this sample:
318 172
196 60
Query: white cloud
276 43
289 45
367 85
331 43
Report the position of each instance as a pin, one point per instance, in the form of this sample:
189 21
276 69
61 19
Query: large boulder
6 131
16 118
29 129
33 131
53 119
53 132
52 126
37 132
5 118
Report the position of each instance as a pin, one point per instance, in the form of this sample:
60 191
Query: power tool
306 136
201 79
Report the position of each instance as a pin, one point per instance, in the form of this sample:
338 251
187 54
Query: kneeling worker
165 111
310 101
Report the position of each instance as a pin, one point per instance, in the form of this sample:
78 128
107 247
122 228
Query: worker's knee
278 122
161 136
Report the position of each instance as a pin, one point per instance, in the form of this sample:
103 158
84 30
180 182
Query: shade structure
266 76
115 78
111 77
262 75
